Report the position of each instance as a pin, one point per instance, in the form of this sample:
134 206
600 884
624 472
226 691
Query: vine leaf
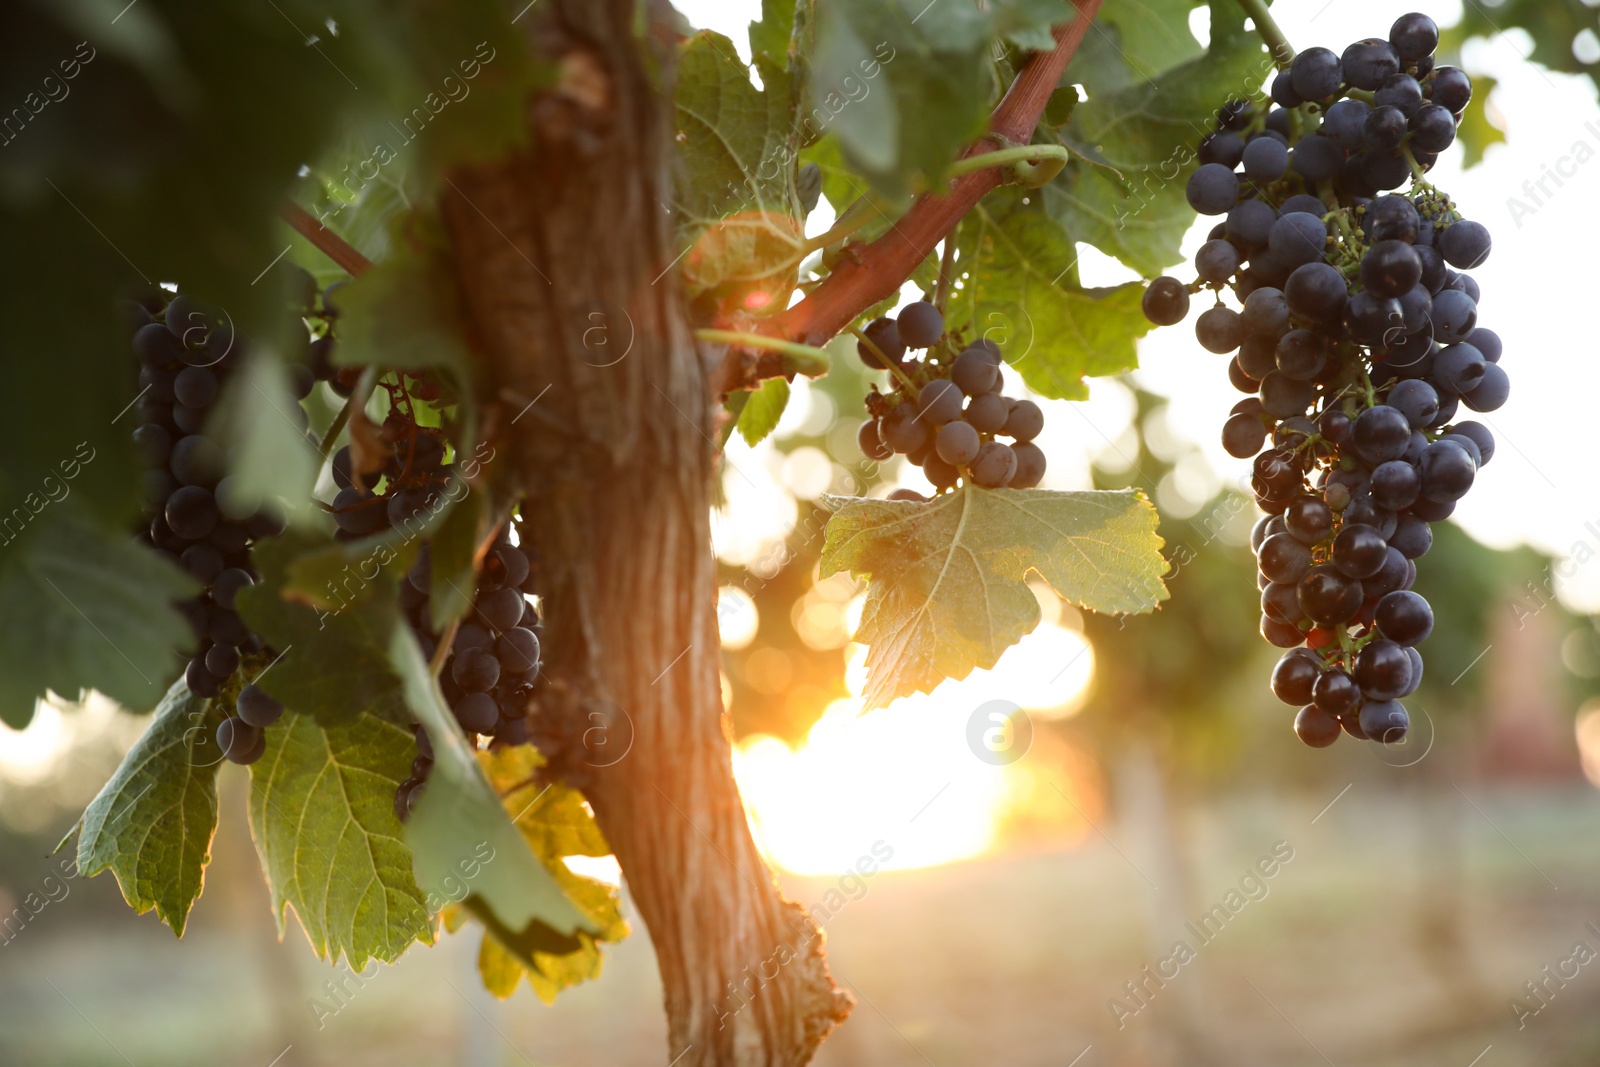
452 562
322 815
1022 292
760 414
333 640
459 816
1477 130
556 823
86 608
1145 121
738 207
948 585
153 822
905 85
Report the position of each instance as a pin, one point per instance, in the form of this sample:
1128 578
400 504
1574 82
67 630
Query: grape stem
775 357
878 269
335 428
326 241
893 365
1033 164
855 216
1282 51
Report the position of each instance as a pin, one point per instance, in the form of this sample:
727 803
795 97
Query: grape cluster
946 410
197 515
1358 342
493 664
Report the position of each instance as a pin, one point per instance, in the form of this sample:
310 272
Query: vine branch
326 241
877 270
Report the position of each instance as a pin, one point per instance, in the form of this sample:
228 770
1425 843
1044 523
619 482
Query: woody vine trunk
561 254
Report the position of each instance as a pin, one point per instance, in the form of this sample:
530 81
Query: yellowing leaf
556 822
459 817
948 577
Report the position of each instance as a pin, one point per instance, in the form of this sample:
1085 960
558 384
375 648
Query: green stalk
894 367
799 358
1282 51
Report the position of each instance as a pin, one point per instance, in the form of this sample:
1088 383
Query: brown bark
562 252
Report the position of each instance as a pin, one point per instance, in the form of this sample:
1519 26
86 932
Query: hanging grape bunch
490 671
945 412
197 516
1358 342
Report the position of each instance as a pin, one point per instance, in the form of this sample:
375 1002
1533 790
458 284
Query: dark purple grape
1329 597
1284 559
885 335
1359 551
920 324
1404 617
1335 693
257 708
1315 727
1385 721
1294 676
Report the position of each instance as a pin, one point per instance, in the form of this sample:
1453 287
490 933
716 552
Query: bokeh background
1437 903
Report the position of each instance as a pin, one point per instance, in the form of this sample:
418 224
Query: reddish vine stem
873 272
327 242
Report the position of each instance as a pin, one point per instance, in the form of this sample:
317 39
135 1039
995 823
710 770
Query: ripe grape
920 325
1165 301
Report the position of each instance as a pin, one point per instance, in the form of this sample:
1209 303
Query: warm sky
1538 489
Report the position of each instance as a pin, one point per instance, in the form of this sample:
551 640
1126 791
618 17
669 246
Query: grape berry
946 412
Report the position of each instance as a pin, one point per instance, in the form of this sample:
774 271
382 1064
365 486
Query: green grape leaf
905 84
1147 130
153 822
459 814
452 567
322 814
1477 130
333 646
1021 291
1552 26
403 314
948 578
86 609
737 205
760 414
261 425
771 34
556 822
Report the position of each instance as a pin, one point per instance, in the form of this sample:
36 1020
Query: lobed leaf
151 825
322 814
948 578
88 608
